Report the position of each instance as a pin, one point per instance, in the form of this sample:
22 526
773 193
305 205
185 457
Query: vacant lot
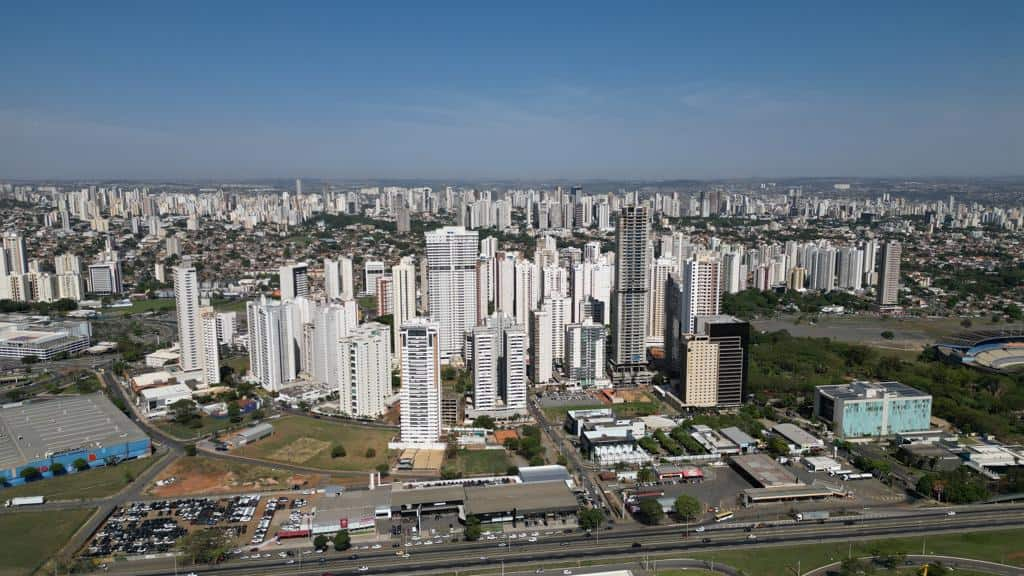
908 334
308 442
1005 546
480 462
202 475
95 483
31 538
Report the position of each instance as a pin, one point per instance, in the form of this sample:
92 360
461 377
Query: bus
723 516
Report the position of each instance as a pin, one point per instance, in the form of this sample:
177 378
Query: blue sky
530 90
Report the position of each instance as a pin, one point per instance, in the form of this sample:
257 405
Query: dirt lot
309 442
200 476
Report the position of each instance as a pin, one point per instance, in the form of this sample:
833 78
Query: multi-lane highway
650 542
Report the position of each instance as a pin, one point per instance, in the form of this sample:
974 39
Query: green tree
472 531
342 541
591 518
650 512
338 451
888 334
688 507
371 452
234 412
205 546
184 411
777 446
484 421
80 464
30 473
646 475
58 469
320 542
512 471
190 449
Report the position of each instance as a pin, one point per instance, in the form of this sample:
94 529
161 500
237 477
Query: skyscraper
16 255
364 370
731 337
186 303
485 367
628 363
403 277
332 279
209 346
294 279
584 353
702 289
452 253
421 382
660 270
272 356
541 347
514 367
889 274
197 327
698 380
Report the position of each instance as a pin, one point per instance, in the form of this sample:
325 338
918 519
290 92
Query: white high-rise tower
452 253
421 383
403 282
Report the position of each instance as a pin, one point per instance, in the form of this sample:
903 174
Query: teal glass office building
866 409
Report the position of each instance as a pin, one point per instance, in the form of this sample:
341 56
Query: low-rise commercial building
873 409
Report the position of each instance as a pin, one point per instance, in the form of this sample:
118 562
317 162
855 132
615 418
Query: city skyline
460 91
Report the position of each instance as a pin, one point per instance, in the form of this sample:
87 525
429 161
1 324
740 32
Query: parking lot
154 526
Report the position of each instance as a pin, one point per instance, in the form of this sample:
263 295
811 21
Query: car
637 545
376 547
290 561
364 568
751 536
532 539
538 571
705 540
406 555
699 529
566 572
951 513
563 544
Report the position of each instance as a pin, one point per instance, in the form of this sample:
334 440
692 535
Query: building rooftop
797 435
435 494
738 437
525 498
31 431
860 390
764 471
549 473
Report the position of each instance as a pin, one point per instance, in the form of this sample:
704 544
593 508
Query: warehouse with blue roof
40 433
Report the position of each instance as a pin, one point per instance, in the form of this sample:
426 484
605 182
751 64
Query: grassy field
240 364
228 305
636 409
480 462
96 483
1005 546
556 414
308 442
30 538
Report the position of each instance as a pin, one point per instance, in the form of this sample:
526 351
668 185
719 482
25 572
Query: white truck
819 515
25 501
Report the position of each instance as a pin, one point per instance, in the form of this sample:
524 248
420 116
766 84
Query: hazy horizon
650 92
